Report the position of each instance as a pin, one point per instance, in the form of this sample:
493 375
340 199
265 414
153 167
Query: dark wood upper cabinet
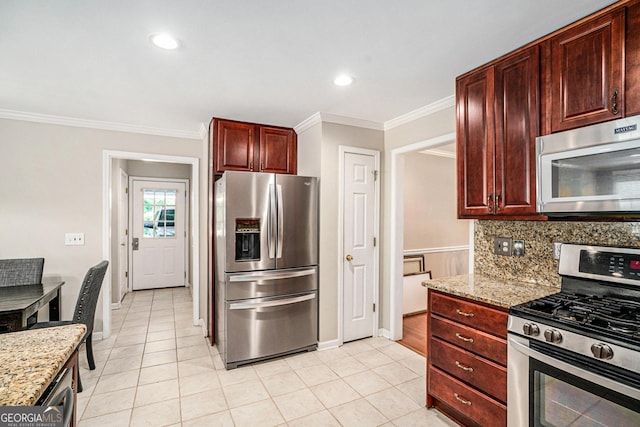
278 150
252 147
517 120
233 144
587 73
632 60
475 143
497 123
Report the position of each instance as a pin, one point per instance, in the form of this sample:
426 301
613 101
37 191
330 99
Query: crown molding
307 123
334 118
432 108
96 124
204 131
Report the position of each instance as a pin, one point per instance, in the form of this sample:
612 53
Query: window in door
159 210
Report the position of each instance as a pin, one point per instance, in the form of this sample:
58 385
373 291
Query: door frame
342 150
108 156
123 262
187 225
396 199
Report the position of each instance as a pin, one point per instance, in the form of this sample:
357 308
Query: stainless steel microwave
590 170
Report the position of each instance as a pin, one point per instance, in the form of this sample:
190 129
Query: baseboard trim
203 326
384 333
414 313
326 345
116 306
97 336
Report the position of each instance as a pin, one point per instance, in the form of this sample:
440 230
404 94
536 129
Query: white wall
318 154
430 214
424 128
51 184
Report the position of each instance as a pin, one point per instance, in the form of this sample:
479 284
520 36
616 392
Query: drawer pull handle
460 337
462 313
464 368
461 400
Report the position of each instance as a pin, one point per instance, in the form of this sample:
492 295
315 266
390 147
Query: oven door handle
578 372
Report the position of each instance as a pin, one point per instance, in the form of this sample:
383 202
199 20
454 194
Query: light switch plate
74 239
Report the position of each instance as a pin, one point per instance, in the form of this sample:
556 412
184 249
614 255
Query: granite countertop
503 293
29 360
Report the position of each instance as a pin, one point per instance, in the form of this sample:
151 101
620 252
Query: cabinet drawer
479 407
475 315
481 373
478 342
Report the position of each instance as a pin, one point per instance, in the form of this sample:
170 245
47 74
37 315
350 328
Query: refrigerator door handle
273 303
280 221
252 277
272 222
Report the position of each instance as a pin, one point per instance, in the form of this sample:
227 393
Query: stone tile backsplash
537 265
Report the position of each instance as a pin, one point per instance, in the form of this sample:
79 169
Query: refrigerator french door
266 265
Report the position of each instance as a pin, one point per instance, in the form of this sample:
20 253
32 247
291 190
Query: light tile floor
158 370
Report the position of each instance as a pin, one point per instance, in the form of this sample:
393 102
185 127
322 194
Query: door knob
349 258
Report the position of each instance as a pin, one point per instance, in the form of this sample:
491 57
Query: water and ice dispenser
247 239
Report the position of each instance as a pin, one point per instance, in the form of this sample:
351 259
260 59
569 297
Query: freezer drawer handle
271 276
285 301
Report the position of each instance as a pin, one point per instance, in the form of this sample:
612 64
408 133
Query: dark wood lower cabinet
467 359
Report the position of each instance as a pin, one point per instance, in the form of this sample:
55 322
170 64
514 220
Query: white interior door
158 237
123 247
359 246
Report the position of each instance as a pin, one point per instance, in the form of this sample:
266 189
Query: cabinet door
278 150
233 146
587 65
475 143
632 60
516 122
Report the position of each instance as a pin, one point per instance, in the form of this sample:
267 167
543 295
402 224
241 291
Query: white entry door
360 224
158 238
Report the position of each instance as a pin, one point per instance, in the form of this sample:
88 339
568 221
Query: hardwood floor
414 333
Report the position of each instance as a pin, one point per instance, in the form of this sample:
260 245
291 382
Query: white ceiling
260 61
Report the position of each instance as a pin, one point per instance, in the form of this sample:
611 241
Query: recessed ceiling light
164 41
343 80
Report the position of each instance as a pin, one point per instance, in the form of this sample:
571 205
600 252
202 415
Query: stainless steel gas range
574 356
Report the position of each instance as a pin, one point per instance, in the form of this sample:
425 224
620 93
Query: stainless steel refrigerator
266 250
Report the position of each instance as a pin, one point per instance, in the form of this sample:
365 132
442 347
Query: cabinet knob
498 201
614 102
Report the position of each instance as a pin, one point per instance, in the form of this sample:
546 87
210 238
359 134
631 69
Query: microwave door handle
280 221
574 370
273 303
271 223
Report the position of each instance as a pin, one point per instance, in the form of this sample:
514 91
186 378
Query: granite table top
499 292
30 360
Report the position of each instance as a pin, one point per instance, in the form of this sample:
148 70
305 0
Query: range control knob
531 329
552 336
602 351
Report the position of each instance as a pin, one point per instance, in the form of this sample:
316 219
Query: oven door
546 391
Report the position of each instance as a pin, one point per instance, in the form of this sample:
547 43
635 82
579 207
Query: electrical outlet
502 246
557 247
518 248
74 239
